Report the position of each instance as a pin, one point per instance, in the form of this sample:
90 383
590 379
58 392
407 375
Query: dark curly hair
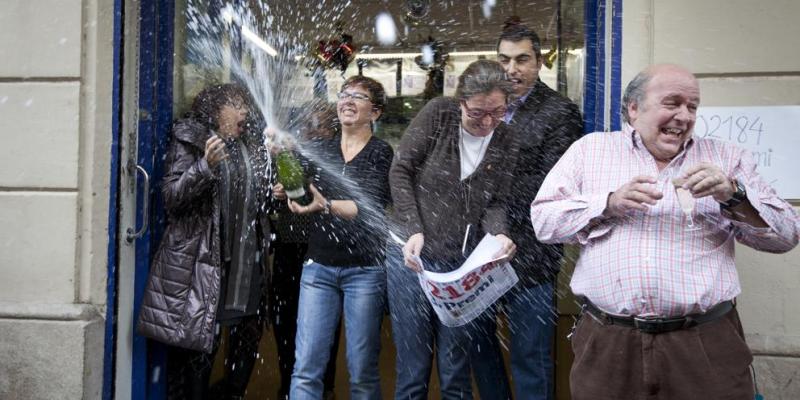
206 106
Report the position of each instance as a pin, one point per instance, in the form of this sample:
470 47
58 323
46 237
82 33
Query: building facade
77 111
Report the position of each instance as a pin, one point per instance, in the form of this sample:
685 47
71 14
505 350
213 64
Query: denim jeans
325 292
416 331
287 269
531 317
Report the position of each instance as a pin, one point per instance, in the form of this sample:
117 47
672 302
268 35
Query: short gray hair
635 92
483 77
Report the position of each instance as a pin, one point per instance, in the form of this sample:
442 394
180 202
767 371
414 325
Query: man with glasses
547 123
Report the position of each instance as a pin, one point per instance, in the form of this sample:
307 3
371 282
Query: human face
355 111
231 121
485 104
520 63
665 119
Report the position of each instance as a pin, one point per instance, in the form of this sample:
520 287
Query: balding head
661 105
636 89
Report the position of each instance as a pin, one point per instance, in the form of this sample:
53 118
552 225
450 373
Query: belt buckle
648 324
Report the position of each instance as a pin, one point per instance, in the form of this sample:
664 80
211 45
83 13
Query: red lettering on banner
452 292
435 292
488 267
470 281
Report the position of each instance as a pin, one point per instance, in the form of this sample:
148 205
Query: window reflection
462 33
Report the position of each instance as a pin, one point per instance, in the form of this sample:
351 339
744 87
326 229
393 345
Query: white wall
55 126
745 53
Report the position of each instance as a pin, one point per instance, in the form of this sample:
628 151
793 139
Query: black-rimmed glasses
354 96
497 114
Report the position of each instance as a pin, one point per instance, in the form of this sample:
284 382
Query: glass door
164 68
146 93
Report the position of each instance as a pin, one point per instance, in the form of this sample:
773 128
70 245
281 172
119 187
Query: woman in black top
343 268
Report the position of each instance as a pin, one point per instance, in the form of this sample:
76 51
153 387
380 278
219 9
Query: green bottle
290 175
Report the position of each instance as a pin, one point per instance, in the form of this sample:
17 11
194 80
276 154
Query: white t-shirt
472 149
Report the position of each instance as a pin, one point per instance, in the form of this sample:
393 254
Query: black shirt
337 242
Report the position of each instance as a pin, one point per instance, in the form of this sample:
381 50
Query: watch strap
739 196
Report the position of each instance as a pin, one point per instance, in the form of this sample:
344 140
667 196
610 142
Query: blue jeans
531 318
324 292
416 331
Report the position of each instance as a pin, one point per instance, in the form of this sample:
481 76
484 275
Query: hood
190 131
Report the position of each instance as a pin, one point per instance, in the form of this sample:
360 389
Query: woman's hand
316 205
215 151
411 251
509 248
278 192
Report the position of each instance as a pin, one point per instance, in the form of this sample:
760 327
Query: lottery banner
463 294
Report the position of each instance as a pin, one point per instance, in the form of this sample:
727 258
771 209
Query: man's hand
708 180
215 151
316 205
634 195
278 192
412 249
509 249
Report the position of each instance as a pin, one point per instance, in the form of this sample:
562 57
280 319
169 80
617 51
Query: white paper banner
769 132
461 295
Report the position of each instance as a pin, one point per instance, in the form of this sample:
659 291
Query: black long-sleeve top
338 242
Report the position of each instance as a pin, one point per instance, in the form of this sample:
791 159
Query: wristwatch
326 208
739 196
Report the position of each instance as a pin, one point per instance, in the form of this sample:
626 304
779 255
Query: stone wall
55 126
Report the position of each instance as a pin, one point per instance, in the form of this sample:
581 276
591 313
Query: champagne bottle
290 175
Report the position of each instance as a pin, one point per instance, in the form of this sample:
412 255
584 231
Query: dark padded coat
182 294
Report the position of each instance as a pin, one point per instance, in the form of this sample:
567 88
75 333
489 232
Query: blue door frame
156 21
113 216
598 63
156 44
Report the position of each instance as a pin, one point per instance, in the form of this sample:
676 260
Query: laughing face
481 113
354 107
521 64
665 118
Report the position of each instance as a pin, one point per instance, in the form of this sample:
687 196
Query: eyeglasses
497 114
353 95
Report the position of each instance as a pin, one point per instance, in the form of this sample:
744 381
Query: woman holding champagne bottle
343 270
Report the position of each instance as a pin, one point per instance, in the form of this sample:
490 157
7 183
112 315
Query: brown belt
654 325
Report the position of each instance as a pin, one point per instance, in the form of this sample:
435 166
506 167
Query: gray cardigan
427 191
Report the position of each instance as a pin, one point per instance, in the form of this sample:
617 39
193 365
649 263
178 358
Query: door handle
131 233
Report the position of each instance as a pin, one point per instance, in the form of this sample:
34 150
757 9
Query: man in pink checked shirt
659 319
